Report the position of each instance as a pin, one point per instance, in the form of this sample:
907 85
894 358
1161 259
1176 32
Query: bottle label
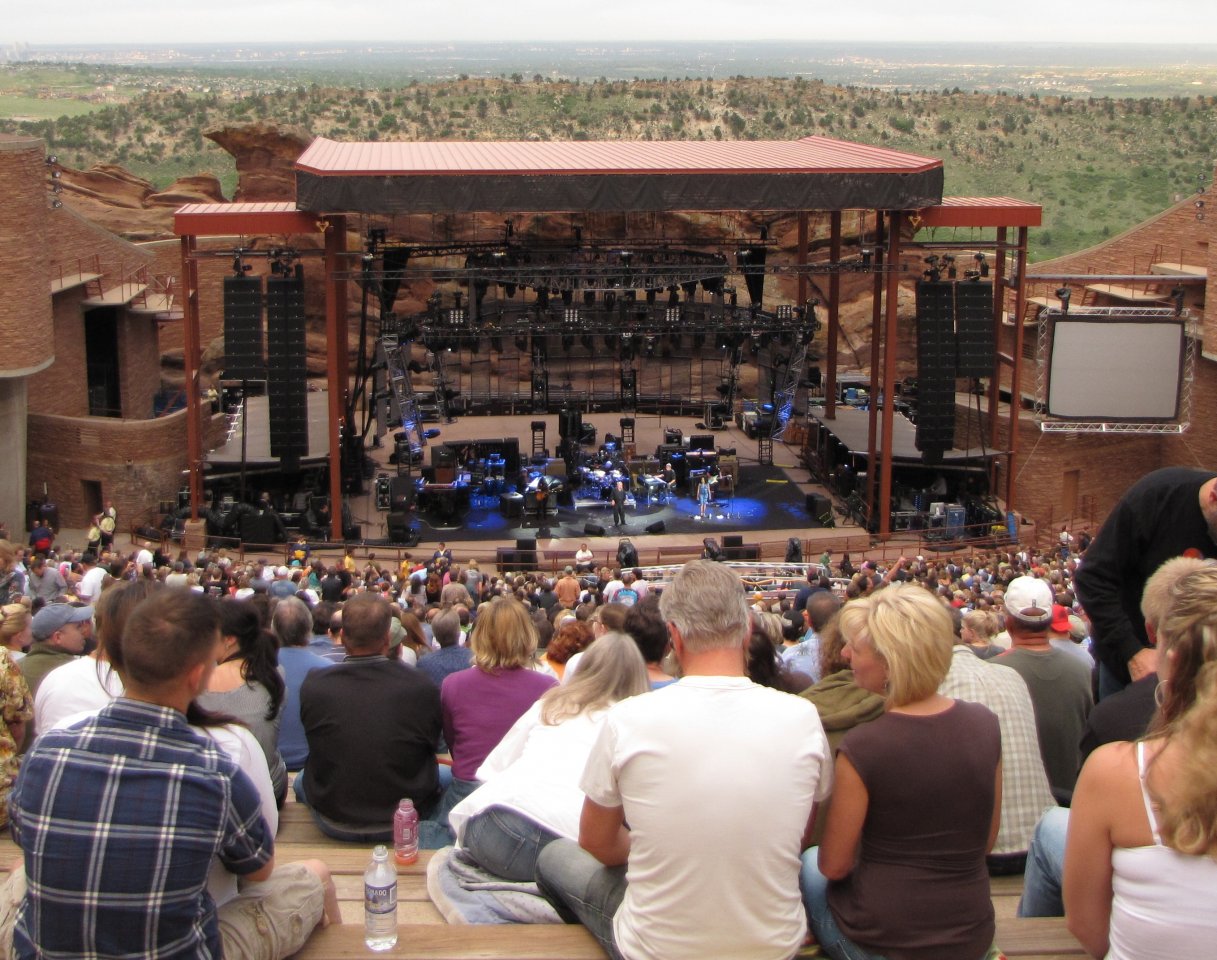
380 899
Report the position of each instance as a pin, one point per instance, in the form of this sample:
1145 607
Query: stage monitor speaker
569 423
587 434
593 529
400 530
527 543
244 358
401 493
702 441
258 528
733 540
352 531
657 527
818 505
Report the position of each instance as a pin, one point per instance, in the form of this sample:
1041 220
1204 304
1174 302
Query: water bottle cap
405 804
380 852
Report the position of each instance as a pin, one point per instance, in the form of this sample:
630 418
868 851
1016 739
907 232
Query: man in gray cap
1059 684
61 632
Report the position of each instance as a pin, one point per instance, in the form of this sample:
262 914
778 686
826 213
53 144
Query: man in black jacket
372 726
1167 513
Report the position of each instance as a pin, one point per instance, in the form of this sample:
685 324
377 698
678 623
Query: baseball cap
56 616
1060 619
1029 600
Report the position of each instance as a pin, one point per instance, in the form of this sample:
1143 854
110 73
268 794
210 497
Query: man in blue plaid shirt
121 817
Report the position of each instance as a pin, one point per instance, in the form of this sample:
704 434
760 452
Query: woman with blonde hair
481 703
900 872
16 705
1141 853
15 632
530 782
977 630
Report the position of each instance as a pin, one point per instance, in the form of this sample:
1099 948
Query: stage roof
814 173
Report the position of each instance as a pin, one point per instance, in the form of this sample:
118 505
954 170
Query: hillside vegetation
1098 165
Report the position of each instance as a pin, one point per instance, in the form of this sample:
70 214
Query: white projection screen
1119 369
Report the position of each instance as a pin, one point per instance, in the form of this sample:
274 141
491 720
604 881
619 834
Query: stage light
1064 294
982 263
522 343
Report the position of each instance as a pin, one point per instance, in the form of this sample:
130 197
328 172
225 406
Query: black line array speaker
974 329
733 540
936 359
818 505
287 368
243 354
401 493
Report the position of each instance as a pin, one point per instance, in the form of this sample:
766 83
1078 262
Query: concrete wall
12 455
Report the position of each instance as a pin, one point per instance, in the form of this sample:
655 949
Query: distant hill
1097 164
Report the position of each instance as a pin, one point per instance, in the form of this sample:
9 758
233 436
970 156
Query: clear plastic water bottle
405 833
380 901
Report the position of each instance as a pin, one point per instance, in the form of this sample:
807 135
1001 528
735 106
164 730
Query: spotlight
1064 294
982 264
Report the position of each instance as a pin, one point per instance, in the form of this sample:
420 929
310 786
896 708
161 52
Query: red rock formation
114 198
265 155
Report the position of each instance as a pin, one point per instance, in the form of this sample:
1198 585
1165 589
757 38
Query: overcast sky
145 21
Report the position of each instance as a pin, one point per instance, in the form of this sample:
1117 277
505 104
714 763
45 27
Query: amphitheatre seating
423 933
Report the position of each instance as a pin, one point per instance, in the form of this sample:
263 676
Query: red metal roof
980 212
223 219
808 155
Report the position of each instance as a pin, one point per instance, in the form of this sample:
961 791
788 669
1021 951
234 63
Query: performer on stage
703 496
669 478
618 497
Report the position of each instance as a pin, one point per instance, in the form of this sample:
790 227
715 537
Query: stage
767 504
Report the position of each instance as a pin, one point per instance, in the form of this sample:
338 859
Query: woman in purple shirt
480 704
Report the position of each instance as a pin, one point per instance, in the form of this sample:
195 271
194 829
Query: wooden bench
424 934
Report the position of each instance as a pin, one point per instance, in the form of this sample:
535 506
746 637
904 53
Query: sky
215 21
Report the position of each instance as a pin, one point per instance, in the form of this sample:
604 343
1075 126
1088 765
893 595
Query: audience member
916 806
292 624
368 714
451 656
530 794
60 636
247 684
481 704
1059 684
138 770
1167 513
684 771
1141 856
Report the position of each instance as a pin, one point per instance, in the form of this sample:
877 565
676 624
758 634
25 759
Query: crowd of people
687 768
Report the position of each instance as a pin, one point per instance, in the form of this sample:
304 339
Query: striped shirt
119 818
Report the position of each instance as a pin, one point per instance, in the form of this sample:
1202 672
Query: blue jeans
431 835
506 843
1045 867
814 887
454 791
582 889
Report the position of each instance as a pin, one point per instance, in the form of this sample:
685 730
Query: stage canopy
814 173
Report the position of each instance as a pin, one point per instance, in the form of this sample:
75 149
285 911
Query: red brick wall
25 276
139 360
137 462
62 388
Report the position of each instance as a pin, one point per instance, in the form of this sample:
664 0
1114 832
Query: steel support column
337 362
834 317
191 360
887 389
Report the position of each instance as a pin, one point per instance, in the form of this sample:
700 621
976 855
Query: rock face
264 154
114 198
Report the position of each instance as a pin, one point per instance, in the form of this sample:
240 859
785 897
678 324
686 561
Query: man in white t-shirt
718 780
94 577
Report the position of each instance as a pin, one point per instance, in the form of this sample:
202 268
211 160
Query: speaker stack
287 368
936 359
243 355
974 329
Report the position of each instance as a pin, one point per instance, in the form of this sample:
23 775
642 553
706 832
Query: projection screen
1115 368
